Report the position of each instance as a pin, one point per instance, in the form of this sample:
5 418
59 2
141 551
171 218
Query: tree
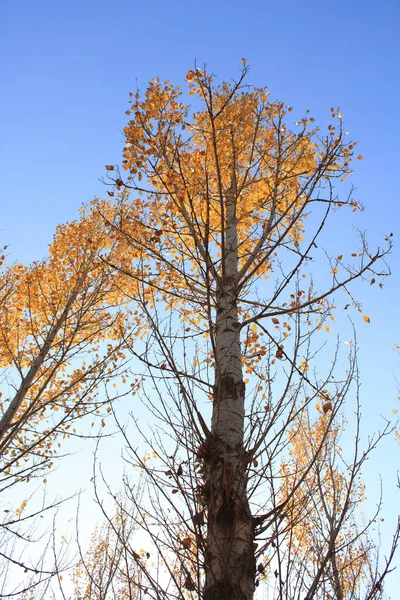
200 269
108 569
326 547
55 318
212 248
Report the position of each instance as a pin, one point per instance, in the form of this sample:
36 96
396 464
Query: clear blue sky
67 68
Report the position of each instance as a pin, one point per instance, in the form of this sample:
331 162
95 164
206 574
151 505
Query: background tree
109 568
55 318
326 546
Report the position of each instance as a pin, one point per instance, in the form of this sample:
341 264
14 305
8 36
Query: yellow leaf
367 319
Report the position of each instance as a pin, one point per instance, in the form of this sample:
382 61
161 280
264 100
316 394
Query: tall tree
212 244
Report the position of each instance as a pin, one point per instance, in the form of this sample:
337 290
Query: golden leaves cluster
55 317
185 162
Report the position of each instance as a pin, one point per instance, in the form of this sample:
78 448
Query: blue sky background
67 68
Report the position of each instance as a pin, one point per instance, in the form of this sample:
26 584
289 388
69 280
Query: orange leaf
327 407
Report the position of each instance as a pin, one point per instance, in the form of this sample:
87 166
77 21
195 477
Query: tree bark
229 559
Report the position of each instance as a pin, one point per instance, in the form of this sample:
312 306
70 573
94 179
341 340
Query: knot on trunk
227 387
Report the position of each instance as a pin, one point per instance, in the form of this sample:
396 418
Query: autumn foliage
198 268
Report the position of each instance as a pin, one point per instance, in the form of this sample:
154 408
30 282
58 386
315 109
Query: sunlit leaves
53 313
188 167
326 495
109 564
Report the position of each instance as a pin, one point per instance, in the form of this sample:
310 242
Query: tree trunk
229 560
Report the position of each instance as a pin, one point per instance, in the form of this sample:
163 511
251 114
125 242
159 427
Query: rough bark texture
230 564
